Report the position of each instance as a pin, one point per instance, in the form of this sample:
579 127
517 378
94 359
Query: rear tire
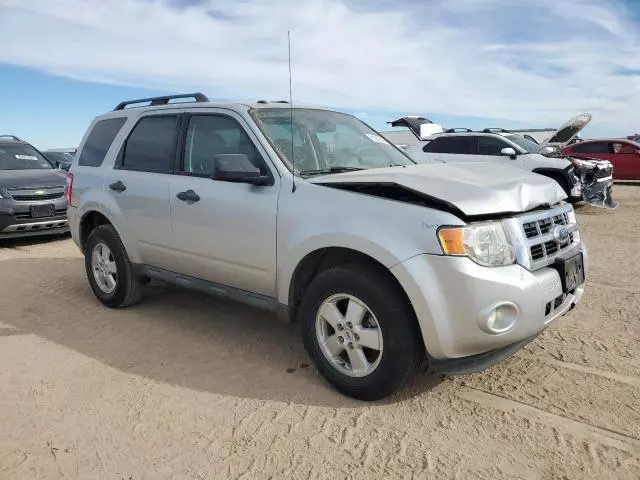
387 323
109 270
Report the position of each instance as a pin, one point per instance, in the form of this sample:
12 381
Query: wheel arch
324 258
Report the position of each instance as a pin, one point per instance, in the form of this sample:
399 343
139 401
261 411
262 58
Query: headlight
486 244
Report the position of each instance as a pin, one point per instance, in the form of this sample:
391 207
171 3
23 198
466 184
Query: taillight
68 189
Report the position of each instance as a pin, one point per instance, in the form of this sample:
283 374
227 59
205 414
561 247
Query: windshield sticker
26 157
376 138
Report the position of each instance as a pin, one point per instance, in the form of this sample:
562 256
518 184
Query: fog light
500 318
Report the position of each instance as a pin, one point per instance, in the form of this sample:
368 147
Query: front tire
360 331
109 270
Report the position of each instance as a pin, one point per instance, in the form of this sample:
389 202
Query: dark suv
32 200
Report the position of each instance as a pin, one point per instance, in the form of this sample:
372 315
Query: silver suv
312 214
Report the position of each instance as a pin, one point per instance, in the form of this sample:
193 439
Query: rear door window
151 146
465 145
99 141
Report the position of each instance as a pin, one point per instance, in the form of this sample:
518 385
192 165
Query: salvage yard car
31 192
581 180
622 153
312 214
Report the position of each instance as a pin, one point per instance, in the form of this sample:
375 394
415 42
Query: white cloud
536 61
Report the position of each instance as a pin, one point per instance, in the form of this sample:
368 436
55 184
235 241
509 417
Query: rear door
626 160
139 184
224 232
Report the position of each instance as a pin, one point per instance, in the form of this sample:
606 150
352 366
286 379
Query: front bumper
16 220
452 295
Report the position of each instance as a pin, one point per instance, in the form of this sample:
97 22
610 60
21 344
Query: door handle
118 186
189 196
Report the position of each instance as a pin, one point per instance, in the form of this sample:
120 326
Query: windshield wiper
325 171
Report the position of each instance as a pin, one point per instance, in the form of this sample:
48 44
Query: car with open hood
31 192
311 214
588 181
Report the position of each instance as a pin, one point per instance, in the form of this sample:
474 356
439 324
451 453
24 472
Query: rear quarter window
99 140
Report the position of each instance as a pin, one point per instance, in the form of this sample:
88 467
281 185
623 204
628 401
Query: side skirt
255 300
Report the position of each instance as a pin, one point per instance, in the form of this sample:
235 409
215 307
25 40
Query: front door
224 232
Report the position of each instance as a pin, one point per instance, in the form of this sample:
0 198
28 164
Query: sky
462 63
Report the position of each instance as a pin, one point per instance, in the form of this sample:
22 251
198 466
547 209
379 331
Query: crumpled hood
31 178
475 188
567 132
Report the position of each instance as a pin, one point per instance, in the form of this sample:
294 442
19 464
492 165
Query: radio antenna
293 158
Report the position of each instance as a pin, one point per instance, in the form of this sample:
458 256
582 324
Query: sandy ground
185 386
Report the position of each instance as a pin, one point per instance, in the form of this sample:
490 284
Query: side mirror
236 168
509 152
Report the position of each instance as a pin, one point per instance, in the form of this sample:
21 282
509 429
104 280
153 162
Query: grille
549 248
44 196
544 226
540 247
59 211
604 173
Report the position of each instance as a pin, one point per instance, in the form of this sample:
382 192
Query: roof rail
12 137
494 130
264 102
153 101
455 130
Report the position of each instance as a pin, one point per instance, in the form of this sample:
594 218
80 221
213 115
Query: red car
624 154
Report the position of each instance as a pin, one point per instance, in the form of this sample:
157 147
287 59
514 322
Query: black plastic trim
476 363
164 100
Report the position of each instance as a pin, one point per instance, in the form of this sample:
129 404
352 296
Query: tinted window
151 145
99 141
461 145
491 145
591 147
211 135
21 156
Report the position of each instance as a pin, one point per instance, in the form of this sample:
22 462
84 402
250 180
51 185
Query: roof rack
153 101
494 130
264 102
456 130
12 137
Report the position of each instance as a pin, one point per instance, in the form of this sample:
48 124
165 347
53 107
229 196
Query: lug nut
356 336
340 326
350 345
340 339
349 325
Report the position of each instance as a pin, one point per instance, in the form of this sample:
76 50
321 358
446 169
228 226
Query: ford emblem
561 234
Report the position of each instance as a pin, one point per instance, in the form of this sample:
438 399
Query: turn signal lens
452 240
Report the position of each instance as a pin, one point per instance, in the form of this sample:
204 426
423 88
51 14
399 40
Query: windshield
59 157
326 142
527 145
22 157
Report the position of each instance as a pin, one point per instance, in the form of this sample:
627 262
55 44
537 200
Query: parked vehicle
31 192
634 138
311 214
623 154
61 160
577 178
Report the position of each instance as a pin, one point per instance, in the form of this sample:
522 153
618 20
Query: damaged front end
595 179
